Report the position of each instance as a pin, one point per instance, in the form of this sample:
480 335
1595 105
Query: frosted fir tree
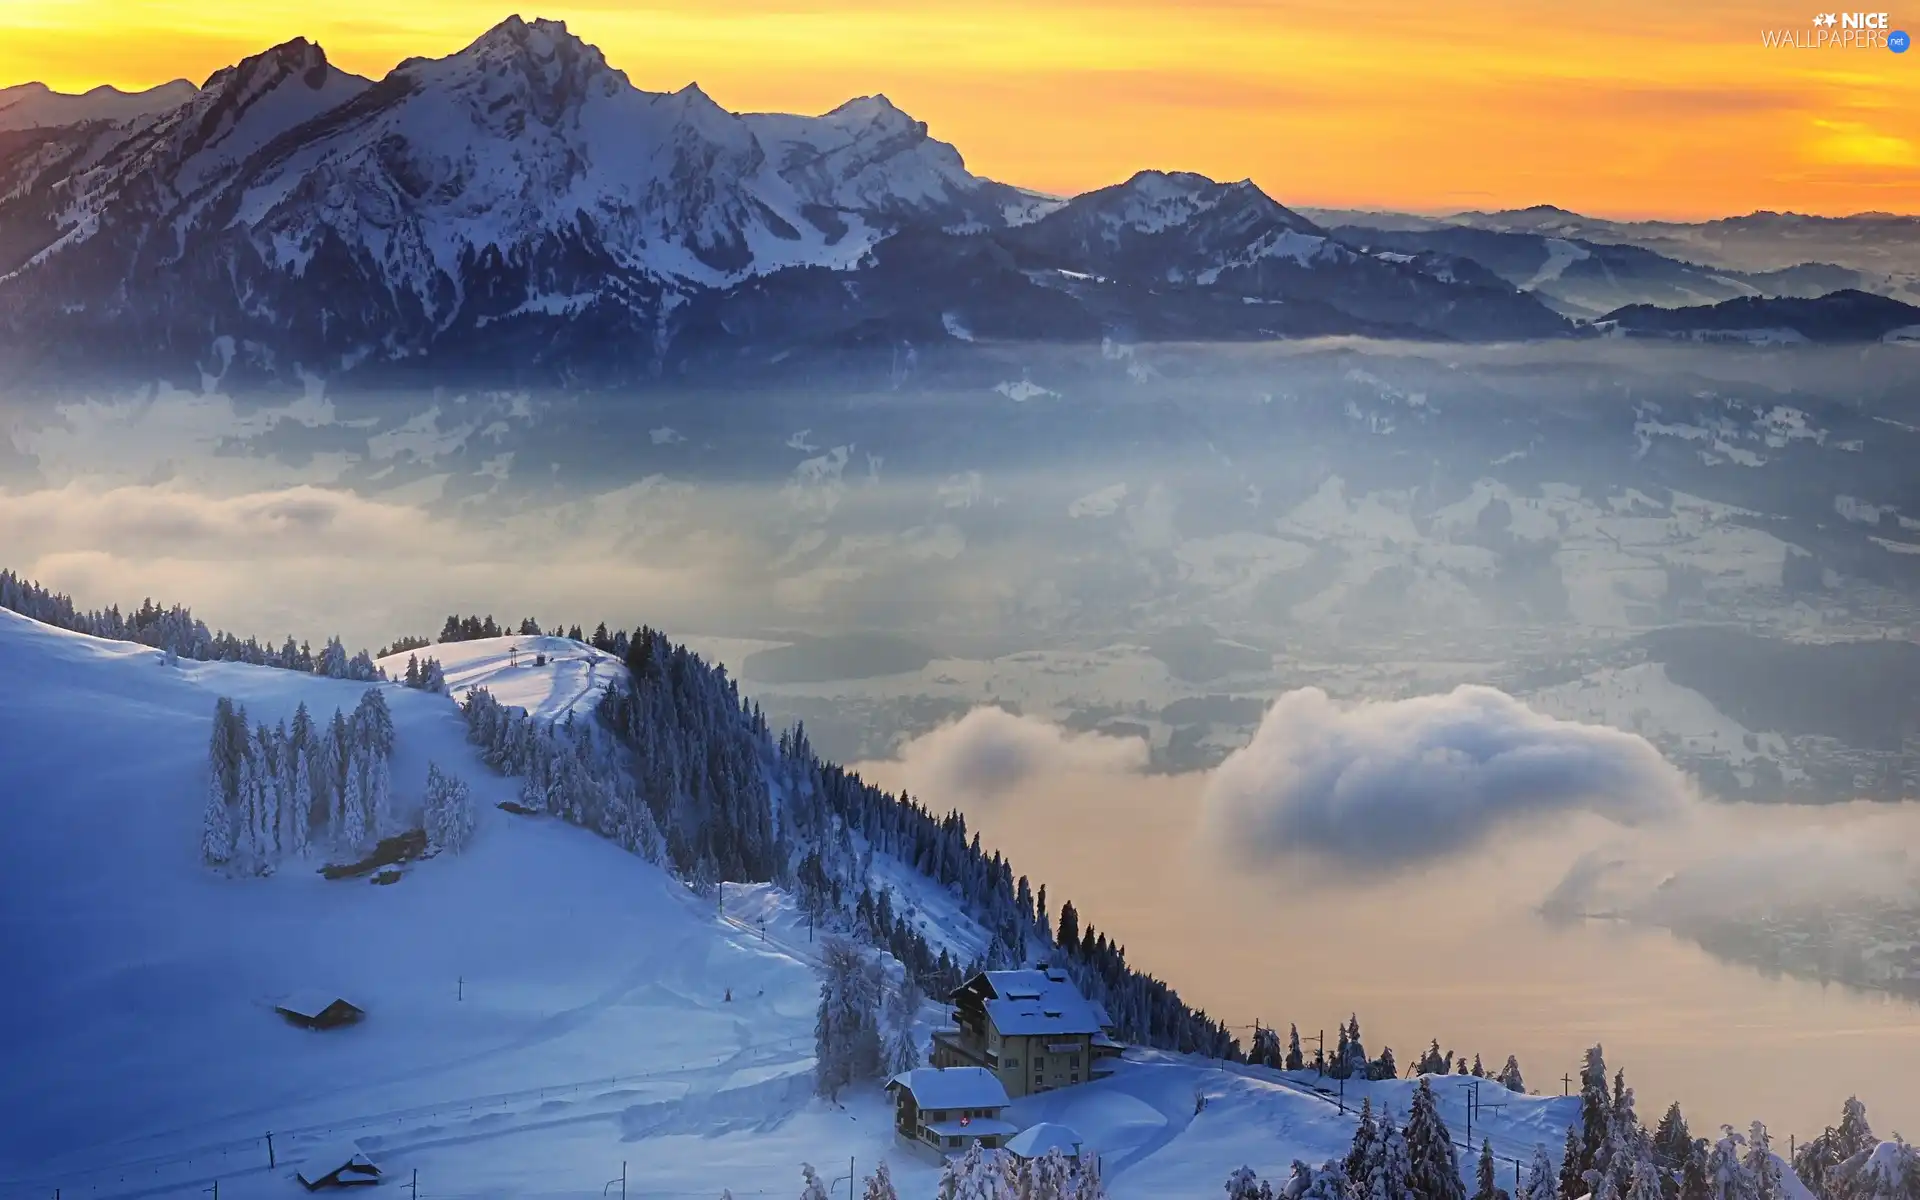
332 662
901 1049
216 827
353 810
879 1185
447 811
1761 1166
252 855
972 1177
812 1186
1539 1183
412 678
324 775
1727 1176
1884 1171
1573 1182
1434 1167
1486 1186
299 804
846 1027
1390 1175
433 678
1645 1183
1296 1061
1510 1078
1366 1144
1243 1184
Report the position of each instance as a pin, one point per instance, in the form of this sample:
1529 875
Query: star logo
1826 19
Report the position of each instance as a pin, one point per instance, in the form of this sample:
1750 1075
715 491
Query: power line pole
413 1185
1566 1085
622 1181
271 1163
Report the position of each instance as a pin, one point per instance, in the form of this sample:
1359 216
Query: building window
1073 1060
1074 1078
1012 1062
1039 1061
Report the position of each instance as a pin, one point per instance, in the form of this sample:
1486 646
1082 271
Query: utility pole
215 1189
1566 1085
1320 1058
622 1181
413 1185
271 1163
460 988
1343 1095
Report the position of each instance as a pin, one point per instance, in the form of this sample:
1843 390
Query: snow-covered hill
540 1008
572 678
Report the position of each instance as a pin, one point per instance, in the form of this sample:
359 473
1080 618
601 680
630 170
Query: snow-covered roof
1036 1140
978 1127
310 1004
329 1161
953 1087
1027 1003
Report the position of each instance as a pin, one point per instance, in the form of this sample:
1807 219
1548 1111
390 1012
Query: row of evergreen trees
272 792
176 631
1609 1155
1349 1059
702 777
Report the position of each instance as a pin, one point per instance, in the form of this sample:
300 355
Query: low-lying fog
1449 945
1151 545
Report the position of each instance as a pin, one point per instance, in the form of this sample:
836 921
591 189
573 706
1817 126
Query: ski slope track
540 1008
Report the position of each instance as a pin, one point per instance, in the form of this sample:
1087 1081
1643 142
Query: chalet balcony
953 1048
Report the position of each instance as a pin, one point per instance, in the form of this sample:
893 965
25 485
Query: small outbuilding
950 1108
338 1166
1037 1141
318 1010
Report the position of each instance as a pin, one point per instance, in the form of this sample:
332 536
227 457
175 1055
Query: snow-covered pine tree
1645 1181
1539 1183
1243 1184
1596 1110
1510 1078
901 1048
1883 1171
1761 1165
225 747
1486 1186
352 829
971 1176
1366 1137
1672 1144
332 662
1390 1174
1854 1134
1265 1048
1434 1168
447 811
1693 1173
1384 1067
812 1187
846 1028
879 1185
1727 1177
299 804
413 672
1296 1061
1573 1180
1478 1071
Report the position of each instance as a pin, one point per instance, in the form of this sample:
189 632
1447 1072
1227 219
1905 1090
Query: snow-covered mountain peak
37 106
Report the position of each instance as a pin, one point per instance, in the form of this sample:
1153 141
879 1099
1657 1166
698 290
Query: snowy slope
540 1008
573 679
37 106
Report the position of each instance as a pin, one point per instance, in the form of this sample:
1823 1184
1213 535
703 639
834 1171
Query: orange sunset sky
1622 108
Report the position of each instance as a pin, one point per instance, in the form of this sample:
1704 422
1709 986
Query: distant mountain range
1845 316
520 206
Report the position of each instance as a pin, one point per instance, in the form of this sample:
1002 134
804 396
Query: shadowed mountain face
520 207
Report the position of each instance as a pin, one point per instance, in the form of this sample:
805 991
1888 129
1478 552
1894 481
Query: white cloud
1378 785
990 752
